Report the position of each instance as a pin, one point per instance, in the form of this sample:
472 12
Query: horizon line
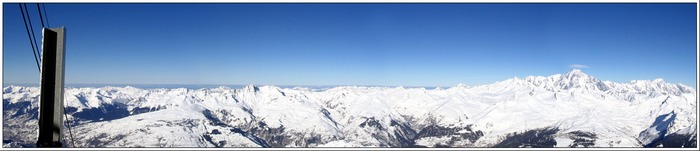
282 85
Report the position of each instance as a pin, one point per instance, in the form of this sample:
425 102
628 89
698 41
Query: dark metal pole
51 100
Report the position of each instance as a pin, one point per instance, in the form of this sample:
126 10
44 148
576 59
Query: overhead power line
31 28
30 37
45 16
68 124
41 17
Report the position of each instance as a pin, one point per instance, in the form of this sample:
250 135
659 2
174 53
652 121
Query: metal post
51 100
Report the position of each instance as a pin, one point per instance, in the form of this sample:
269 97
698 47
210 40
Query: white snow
563 141
616 112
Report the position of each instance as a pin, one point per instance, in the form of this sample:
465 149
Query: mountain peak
658 80
576 75
251 88
462 85
576 72
577 78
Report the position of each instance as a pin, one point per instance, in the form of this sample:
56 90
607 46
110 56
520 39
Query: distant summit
573 109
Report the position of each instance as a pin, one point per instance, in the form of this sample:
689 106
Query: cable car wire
30 37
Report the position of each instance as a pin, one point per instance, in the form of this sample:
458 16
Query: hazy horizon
197 86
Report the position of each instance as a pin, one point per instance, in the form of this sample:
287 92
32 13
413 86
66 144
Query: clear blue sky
358 44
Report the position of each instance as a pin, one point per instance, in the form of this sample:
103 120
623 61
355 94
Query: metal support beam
51 100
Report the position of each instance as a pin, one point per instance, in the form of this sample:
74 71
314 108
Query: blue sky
358 44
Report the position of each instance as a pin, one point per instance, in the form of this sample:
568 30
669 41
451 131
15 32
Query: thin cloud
578 66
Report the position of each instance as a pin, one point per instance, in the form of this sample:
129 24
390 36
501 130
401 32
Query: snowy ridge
572 109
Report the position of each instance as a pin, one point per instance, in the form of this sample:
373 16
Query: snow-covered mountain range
563 110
